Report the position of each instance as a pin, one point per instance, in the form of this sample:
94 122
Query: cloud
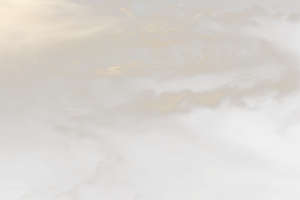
253 23
178 4
140 8
100 103
214 10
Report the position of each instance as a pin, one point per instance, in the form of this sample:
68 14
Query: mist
152 100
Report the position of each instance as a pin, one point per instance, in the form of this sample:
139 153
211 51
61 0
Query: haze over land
152 100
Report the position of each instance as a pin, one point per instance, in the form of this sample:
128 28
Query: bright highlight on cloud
149 100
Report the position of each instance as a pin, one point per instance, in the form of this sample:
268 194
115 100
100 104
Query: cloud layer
149 100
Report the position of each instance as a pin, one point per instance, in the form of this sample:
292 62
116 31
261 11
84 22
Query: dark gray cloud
149 100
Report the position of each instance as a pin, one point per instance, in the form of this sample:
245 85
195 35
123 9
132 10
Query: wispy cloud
149 100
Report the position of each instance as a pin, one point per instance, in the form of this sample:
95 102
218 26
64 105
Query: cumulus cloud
148 100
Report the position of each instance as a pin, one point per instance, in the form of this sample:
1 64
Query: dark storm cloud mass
149 100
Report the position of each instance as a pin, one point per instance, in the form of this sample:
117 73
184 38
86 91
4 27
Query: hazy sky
149 100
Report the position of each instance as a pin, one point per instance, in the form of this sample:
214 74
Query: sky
149 100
